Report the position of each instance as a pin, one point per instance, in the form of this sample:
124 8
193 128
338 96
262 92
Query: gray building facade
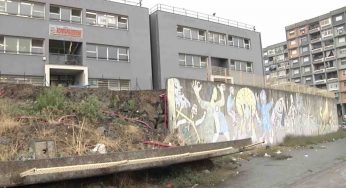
81 42
275 62
317 53
188 44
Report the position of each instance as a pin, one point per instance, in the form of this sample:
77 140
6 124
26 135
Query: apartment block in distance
82 42
317 52
275 62
189 44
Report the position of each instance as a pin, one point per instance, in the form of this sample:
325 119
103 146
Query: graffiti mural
208 112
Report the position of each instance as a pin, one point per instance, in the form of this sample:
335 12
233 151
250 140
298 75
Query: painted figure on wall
278 113
230 106
214 121
246 108
326 117
264 108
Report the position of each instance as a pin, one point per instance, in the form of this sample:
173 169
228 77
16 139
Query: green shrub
52 98
90 108
132 105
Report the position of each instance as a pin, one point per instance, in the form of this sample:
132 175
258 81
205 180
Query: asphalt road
321 167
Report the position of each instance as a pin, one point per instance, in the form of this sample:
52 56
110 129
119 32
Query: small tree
52 98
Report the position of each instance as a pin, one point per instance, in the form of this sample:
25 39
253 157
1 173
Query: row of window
213 37
19 45
61 13
109 53
244 66
196 61
22 8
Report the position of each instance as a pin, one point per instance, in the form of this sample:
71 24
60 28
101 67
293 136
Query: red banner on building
65 31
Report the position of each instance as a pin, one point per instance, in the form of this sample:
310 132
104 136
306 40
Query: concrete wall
206 112
136 38
166 47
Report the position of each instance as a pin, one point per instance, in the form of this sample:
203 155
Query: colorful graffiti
208 112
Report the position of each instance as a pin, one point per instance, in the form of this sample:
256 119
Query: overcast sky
269 16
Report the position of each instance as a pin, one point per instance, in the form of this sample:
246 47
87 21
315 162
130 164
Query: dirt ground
128 119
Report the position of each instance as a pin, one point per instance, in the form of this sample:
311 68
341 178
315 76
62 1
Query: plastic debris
306 155
99 148
266 155
278 152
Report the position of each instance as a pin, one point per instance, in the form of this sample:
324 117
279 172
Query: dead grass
292 141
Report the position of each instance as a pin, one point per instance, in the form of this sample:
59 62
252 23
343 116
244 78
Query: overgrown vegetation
90 108
52 98
291 141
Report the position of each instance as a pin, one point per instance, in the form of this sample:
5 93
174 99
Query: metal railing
202 16
65 59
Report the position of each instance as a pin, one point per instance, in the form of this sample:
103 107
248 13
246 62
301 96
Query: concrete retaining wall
208 112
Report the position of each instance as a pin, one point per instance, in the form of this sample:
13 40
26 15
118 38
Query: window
247 43
307 69
106 20
340 29
24 45
294 52
11 44
292 33
54 12
123 54
342 51
325 22
195 61
202 35
343 61
341 40
338 18
217 38
327 33
293 42
91 51
303 39
306 59
38 10
2 45
12 7
266 61
90 18
248 67
297 80
308 79
37 46
109 53
296 71
25 9
76 15
230 40
2 6
305 49
191 33
302 30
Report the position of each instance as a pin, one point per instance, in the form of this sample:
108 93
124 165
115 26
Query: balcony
318 71
341 44
330 69
329 80
322 81
329 47
316 50
314 40
339 33
318 60
329 58
314 29
65 59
